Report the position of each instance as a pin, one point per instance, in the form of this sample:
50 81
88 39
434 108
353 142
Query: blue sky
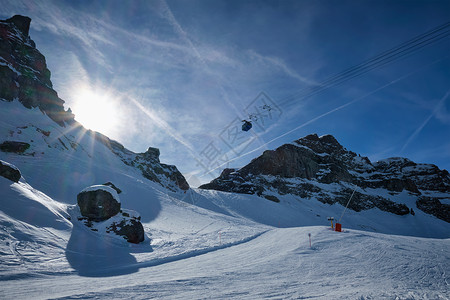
181 75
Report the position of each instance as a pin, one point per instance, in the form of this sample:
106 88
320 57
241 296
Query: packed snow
200 244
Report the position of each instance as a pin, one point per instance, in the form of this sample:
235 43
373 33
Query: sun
96 110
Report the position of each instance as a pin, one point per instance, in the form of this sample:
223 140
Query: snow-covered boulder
98 202
99 206
9 171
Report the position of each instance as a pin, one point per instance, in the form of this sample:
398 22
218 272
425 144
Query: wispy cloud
438 155
93 33
279 64
164 125
442 111
167 13
68 23
437 111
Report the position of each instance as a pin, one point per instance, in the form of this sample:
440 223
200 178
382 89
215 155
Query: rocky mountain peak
324 144
321 168
24 75
148 163
152 154
21 22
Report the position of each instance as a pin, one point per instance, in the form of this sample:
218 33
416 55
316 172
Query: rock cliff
321 168
24 74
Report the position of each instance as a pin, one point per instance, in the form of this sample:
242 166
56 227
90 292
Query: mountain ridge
321 168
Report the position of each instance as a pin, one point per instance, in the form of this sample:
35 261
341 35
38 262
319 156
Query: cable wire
386 57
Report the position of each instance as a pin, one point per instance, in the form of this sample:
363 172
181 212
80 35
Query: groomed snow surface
199 244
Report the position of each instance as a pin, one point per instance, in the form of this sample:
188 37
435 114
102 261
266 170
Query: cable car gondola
247 125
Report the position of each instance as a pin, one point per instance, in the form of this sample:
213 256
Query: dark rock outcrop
423 176
13 146
9 171
98 203
21 22
148 163
308 166
272 198
24 74
130 229
434 207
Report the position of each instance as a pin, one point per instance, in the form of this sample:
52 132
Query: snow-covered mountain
321 168
24 77
197 243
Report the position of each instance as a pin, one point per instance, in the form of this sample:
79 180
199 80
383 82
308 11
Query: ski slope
200 244
273 263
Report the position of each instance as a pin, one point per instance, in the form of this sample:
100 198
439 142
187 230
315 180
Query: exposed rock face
9 171
130 229
24 74
424 176
13 146
149 164
308 166
98 203
21 22
434 207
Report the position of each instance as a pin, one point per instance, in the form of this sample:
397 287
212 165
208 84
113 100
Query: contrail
164 125
167 13
419 129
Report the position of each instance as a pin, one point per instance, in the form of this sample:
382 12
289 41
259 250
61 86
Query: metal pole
347 204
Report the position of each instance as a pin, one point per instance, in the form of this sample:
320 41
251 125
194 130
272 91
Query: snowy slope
293 212
44 257
278 264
